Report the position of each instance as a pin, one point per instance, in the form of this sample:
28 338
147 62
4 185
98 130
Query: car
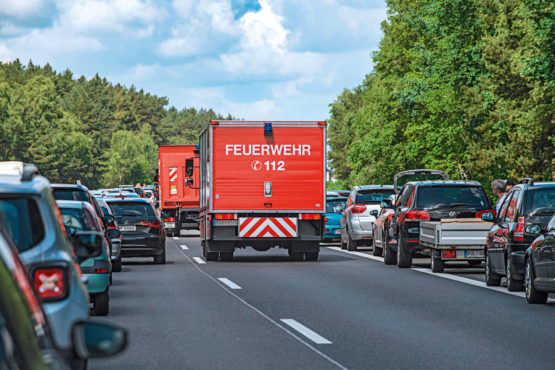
357 221
79 216
526 206
143 234
122 195
427 200
332 217
115 237
149 194
332 194
380 227
33 222
25 335
539 264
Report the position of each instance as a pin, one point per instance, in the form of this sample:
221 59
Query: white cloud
21 8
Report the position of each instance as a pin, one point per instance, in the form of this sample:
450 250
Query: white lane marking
301 340
199 260
184 247
175 238
229 283
310 334
460 279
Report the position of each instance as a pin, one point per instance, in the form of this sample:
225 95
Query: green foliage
461 86
88 130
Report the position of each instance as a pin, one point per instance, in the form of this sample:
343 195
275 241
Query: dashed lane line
199 260
184 247
175 238
310 334
229 283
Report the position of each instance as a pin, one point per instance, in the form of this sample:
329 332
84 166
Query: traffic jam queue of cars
59 245
452 220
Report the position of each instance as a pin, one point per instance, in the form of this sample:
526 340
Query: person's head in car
509 185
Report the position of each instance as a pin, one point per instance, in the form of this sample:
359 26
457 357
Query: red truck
262 185
178 177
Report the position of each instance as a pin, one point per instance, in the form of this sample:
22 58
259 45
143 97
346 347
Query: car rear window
22 220
372 196
70 194
76 220
133 210
335 206
540 202
433 196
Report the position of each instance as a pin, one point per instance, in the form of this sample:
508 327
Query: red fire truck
262 185
178 176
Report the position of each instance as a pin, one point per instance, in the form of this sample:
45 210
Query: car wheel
110 279
389 257
351 244
116 265
437 264
532 295
226 256
343 245
160 259
311 256
376 251
513 285
404 259
101 304
492 279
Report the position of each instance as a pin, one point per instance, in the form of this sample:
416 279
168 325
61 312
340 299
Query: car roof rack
527 180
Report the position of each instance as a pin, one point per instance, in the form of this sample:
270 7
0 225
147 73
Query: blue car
333 216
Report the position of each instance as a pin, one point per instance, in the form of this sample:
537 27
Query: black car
427 200
143 234
526 207
539 262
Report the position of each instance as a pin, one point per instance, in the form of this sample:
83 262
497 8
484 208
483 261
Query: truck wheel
311 256
532 294
351 244
492 279
101 305
295 256
437 264
116 265
226 256
404 259
513 285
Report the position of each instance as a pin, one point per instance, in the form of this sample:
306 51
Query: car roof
69 186
445 182
75 204
127 199
370 187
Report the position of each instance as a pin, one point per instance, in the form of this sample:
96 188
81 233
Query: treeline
458 85
88 130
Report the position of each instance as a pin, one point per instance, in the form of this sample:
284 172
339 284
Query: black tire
101 304
404 259
437 264
376 251
311 256
389 257
492 279
513 285
212 256
295 256
116 265
351 244
110 279
226 256
343 245
160 259
532 294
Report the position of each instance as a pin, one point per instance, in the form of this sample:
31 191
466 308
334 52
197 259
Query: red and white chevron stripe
173 173
267 227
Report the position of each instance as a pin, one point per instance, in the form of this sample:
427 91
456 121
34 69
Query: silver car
360 214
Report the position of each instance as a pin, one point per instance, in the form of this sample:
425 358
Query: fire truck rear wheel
295 256
226 256
311 256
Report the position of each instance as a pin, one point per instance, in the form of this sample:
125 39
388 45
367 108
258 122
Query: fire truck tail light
309 216
225 216
50 283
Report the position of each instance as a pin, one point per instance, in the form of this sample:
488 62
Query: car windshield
372 196
71 194
22 220
133 210
449 196
540 202
335 206
76 220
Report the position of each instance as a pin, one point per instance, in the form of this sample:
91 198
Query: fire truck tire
295 256
437 264
226 256
311 256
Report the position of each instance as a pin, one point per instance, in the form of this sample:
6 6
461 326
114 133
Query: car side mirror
87 244
108 221
386 203
533 229
164 215
113 233
488 216
97 339
374 213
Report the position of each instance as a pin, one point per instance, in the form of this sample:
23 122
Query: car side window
512 205
503 209
410 198
551 224
402 196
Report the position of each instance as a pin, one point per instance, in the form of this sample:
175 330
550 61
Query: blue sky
254 59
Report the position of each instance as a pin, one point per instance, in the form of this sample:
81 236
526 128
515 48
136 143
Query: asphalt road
347 310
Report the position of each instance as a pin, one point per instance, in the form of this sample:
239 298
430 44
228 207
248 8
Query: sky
253 59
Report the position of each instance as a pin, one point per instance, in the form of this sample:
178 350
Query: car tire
226 256
513 285
532 294
404 259
437 264
311 256
343 245
492 279
160 259
351 244
116 265
110 279
101 305
376 251
389 257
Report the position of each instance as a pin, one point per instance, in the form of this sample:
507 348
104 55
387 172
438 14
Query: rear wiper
439 206
543 211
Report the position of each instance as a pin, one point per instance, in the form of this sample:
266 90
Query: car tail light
389 217
519 230
50 282
150 223
418 215
101 271
170 219
483 211
326 219
448 254
327 230
225 216
309 216
358 208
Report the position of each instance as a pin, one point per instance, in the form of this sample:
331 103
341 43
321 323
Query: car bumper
98 283
142 245
334 232
358 233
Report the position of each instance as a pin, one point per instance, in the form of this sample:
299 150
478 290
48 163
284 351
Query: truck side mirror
189 182
189 167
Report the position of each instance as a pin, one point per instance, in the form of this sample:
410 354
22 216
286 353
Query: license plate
338 231
128 228
474 254
169 225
